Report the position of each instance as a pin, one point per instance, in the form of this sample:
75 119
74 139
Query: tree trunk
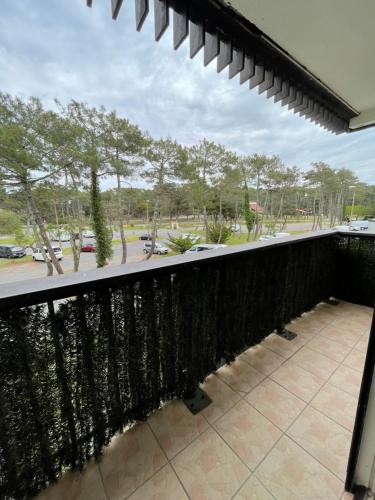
205 222
40 245
42 230
120 221
153 233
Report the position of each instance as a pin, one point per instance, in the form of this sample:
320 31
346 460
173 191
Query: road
34 270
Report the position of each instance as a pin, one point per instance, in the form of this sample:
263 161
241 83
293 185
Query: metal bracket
197 401
286 334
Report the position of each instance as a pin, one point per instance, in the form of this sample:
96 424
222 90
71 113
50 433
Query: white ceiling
333 39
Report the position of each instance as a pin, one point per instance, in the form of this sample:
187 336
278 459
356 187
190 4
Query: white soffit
333 39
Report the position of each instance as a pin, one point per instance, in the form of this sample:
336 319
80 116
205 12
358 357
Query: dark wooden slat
304 104
268 81
89 3
290 98
237 64
196 37
225 55
141 11
248 69
276 87
309 110
297 101
180 26
284 92
161 18
258 77
211 46
116 6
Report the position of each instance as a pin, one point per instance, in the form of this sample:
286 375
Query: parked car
235 228
88 234
359 225
146 237
159 249
281 235
194 238
11 251
201 247
38 256
89 247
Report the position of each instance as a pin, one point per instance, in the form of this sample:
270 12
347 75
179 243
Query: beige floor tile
223 398
333 350
76 486
248 433
308 324
290 473
355 360
347 379
129 460
314 362
253 490
348 338
175 427
336 404
362 344
324 439
262 359
164 485
276 403
209 469
298 381
353 324
240 376
282 347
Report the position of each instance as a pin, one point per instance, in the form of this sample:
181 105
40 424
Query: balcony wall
82 356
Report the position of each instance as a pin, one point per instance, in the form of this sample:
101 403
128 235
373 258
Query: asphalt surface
33 270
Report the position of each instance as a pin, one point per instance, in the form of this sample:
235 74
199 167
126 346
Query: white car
158 249
266 237
37 254
88 234
201 247
235 228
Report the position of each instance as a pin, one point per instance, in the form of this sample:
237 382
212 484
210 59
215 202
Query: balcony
85 358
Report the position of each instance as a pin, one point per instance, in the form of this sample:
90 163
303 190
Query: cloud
65 50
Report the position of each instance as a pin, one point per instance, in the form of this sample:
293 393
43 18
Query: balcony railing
81 356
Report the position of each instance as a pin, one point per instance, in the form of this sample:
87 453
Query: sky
62 49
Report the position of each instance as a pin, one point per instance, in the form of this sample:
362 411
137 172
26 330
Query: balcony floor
279 426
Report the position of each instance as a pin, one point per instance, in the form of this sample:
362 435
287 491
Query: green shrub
219 233
178 244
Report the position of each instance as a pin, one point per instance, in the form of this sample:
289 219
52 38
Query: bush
219 234
178 244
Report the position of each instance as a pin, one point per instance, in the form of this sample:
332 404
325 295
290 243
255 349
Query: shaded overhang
314 57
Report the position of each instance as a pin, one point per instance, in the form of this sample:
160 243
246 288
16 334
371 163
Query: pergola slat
258 77
237 64
268 81
276 87
290 98
304 104
116 6
297 101
141 11
211 47
284 92
180 26
196 37
161 18
248 69
225 55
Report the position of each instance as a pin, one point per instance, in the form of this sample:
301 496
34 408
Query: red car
88 247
